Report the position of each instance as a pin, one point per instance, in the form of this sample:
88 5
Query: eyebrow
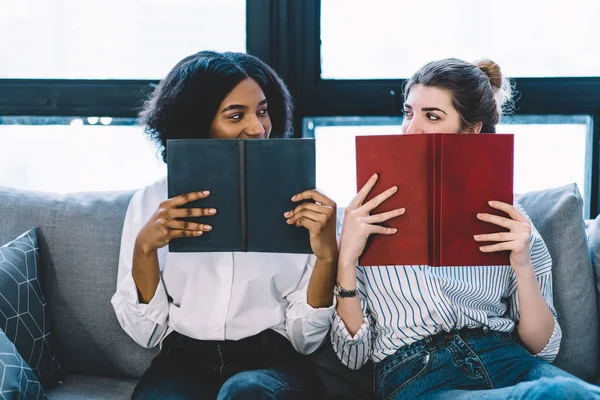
426 108
241 107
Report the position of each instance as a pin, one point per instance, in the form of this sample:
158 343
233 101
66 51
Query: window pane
391 39
49 155
132 39
548 155
335 152
549 151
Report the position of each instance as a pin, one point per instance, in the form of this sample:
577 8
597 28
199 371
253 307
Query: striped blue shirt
404 304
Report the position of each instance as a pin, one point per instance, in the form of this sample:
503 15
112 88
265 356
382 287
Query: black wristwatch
339 291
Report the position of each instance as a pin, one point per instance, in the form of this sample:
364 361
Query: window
335 150
392 39
115 39
550 151
76 154
78 59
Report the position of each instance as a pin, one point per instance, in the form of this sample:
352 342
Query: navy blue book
251 182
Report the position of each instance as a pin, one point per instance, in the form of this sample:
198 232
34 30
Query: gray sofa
80 237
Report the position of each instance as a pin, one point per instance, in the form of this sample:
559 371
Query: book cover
444 180
251 183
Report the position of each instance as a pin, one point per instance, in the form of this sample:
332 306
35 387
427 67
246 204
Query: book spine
243 207
430 198
437 199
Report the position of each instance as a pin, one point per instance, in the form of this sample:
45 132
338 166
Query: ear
476 128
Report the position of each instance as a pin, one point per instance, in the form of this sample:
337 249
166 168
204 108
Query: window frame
315 97
310 124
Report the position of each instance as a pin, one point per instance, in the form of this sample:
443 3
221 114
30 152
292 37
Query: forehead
428 96
247 90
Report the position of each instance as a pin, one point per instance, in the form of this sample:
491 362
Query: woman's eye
407 113
263 112
433 117
236 117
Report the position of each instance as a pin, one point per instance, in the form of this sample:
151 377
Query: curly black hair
185 102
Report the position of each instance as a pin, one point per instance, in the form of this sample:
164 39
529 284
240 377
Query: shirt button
215 327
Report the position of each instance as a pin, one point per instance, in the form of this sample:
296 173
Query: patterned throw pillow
23 314
18 380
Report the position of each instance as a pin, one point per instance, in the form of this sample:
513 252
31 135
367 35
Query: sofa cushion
89 387
593 231
80 238
18 379
558 216
23 313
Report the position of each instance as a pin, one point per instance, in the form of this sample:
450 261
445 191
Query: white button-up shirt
216 296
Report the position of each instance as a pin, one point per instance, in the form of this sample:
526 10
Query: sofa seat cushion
91 387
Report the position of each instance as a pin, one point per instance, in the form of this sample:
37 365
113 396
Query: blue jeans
264 366
474 364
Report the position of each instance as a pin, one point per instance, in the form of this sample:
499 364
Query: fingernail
286 214
475 236
374 175
207 227
288 221
482 249
478 215
403 210
293 197
395 188
198 233
491 202
395 230
206 192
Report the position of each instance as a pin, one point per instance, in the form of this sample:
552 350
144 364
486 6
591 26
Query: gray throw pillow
558 216
23 315
18 380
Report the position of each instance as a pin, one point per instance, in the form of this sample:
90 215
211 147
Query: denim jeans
474 364
264 366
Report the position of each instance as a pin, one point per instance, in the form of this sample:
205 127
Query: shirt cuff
320 317
360 337
550 351
157 310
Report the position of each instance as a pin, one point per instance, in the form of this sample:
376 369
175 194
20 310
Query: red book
443 180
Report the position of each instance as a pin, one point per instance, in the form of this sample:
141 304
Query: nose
414 127
255 129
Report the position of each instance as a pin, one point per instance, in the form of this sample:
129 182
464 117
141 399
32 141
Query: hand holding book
516 240
317 213
166 223
359 224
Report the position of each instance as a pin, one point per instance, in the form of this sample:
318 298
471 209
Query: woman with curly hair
233 325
